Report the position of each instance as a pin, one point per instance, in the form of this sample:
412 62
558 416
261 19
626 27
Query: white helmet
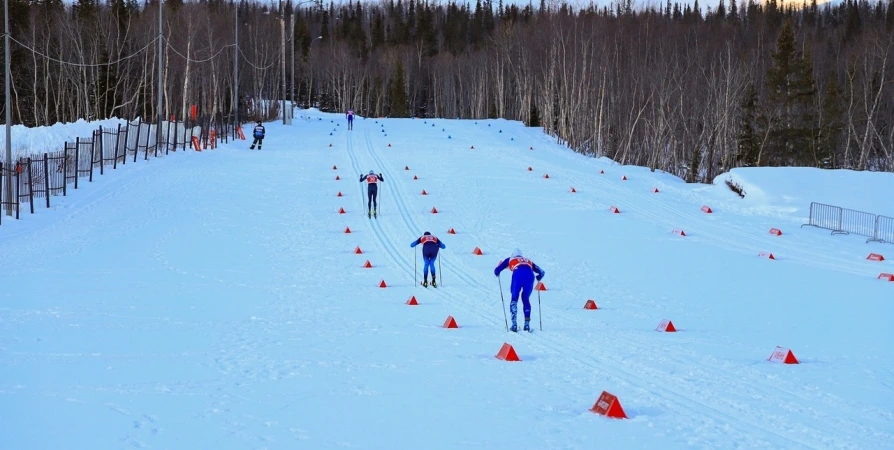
516 253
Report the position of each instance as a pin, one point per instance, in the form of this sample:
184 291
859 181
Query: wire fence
35 179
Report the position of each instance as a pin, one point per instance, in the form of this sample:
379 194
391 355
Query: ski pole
539 310
505 320
442 273
414 266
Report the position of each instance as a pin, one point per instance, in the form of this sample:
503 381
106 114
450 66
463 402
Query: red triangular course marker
530 148
572 189
624 178
406 167
347 229
706 209
775 231
357 251
472 147
434 210
450 322
330 145
546 175
608 405
507 353
334 168
886 276
783 355
412 301
590 305
666 326
614 210
680 232
389 144
382 284
540 286
339 194
337 178
602 171
424 193
477 251
767 255
655 190
875 257
367 265
530 169
451 231
415 177
341 210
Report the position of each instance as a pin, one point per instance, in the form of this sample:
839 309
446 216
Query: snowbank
792 189
37 140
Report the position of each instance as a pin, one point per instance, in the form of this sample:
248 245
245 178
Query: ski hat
515 253
426 234
371 172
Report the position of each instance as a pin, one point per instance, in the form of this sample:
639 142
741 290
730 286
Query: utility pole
292 81
9 166
236 71
282 27
159 112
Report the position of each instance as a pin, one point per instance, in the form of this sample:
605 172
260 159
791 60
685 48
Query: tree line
676 87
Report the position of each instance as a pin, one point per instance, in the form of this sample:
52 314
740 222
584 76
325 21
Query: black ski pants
372 191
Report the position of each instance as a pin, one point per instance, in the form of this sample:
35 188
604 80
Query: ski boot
425 282
433 282
369 214
376 213
527 326
514 328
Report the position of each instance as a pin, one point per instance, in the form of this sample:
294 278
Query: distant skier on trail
258 134
430 246
523 270
372 191
350 116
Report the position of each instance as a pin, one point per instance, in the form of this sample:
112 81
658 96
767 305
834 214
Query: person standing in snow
350 116
372 191
258 134
523 270
430 247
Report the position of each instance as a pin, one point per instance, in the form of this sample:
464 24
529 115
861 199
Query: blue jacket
259 131
520 264
431 246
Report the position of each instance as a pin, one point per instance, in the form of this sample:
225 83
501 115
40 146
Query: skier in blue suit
430 247
523 270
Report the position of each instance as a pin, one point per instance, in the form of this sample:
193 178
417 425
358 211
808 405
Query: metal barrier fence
44 176
848 221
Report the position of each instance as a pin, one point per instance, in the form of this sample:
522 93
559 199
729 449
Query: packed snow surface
214 300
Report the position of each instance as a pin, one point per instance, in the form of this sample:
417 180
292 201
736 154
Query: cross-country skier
350 116
372 191
523 270
430 246
258 135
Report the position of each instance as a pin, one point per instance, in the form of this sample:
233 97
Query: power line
67 63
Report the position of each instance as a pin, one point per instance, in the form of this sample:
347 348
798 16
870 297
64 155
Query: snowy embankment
39 140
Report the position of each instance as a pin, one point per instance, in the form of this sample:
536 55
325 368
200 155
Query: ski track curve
640 377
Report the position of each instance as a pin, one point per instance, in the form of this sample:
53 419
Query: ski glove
542 274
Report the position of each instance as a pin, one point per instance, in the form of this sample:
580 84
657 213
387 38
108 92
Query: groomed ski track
699 390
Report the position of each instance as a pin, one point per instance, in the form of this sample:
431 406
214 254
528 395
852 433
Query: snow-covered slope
214 300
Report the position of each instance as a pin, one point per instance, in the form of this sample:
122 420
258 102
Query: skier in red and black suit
430 246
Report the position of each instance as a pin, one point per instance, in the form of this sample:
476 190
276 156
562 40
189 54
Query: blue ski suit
430 246
523 271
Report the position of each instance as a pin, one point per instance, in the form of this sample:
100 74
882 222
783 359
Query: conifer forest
692 89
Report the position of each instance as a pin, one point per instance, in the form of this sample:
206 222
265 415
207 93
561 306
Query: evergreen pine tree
399 93
790 110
